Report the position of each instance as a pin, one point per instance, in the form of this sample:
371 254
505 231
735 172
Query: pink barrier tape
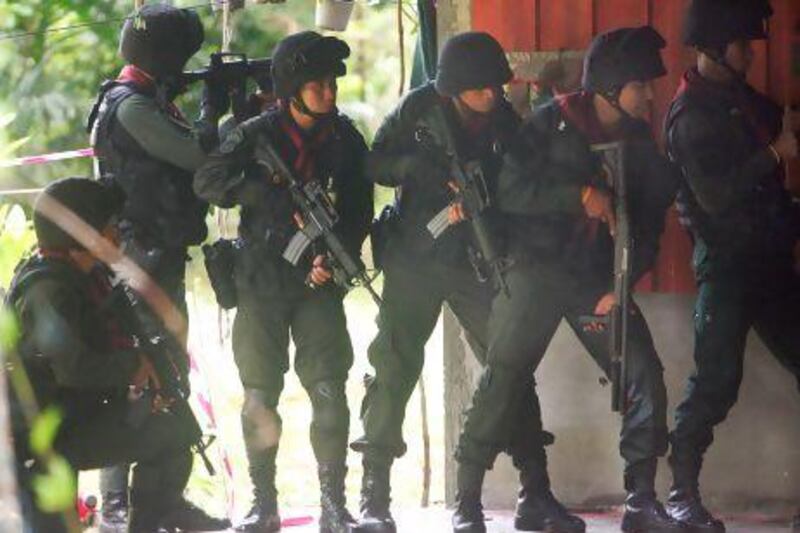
202 396
46 158
297 521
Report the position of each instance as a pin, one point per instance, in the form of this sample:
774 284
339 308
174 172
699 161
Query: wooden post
452 17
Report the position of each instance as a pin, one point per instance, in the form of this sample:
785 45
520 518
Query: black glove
215 100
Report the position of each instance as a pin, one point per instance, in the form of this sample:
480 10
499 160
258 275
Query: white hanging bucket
334 14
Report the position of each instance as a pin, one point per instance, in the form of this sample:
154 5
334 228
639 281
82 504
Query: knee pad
329 403
261 423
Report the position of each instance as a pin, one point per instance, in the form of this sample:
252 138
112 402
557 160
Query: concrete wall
755 460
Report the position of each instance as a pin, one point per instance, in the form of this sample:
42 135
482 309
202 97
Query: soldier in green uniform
422 273
277 300
80 360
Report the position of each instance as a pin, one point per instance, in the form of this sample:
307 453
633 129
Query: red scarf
131 74
578 109
306 144
744 100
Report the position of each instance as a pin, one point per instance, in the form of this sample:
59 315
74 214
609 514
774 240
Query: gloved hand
215 100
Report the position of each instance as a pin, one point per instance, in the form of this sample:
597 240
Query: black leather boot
537 507
375 514
643 512
263 516
686 507
468 516
334 517
684 503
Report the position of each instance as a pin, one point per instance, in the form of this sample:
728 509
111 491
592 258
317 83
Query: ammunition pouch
220 261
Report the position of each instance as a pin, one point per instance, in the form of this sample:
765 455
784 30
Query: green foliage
57 488
9 331
16 237
44 430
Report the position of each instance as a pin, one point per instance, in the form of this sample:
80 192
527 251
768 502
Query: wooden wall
550 25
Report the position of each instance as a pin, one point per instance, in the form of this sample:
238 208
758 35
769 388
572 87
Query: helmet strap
718 57
612 97
301 106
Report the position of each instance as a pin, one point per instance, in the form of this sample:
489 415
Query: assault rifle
612 156
319 217
169 359
231 70
474 195
228 69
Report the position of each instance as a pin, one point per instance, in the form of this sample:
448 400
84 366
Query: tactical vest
161 206
25 357
760 228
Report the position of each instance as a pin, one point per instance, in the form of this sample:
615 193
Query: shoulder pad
233 139
416 102
34 269
248 129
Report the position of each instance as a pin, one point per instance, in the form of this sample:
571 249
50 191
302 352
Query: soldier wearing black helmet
732 143
422 273
144 144
79 359
561 250
277 299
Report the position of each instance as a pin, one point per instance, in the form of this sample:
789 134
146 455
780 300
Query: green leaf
55 490
44 430
9 330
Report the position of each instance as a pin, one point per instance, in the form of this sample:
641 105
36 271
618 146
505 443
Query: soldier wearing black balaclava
562 251
421 274
732 143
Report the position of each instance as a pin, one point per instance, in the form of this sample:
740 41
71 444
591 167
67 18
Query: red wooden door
551 25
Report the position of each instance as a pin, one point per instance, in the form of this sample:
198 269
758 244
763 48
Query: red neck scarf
133 75
306 144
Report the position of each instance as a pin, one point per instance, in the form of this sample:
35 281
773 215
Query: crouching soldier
421 272
80 360
277 299
731 143
151 151
563 266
